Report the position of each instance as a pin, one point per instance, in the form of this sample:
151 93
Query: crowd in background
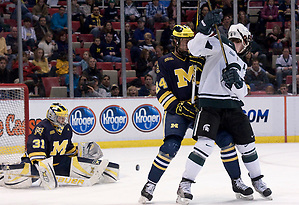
45 43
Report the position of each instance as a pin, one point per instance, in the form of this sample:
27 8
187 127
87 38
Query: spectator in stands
132 91
284 11
128 36
105 85
111 13
248 59
41 28
227 7
30 3
166 40
84 62
81 88
87 7
145 89
40 9
243 19
3 46
155 12
28 34
77 13
42 62
110 50
269 13
270 90
256 77
158 53
114 91
204 9
141 30
4 72
59 20
287 40
283 90
92 69
283 66
94 23
62 65
76 78
93 88
28 69
62 43
153 72
24 11
257 52
95 50
226 22
153 91
172 11
49 46
148 44
109 29
144 63
273 40
131 12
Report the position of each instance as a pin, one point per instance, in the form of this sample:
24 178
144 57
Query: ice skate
184 192
261 187
242 191
147 192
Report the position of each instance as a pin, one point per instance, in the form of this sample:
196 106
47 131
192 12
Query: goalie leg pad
47 174
111 173
88 168
17 176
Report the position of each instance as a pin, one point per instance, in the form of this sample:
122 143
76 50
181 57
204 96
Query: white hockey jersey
212 90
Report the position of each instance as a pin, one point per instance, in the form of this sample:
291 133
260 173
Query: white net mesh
12 123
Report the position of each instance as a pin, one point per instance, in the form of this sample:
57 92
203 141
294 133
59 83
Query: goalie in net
51 159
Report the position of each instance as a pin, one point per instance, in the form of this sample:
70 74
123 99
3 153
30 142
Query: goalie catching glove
187 110
231 77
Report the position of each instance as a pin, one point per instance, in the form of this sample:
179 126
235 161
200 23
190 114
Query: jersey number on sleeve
37 143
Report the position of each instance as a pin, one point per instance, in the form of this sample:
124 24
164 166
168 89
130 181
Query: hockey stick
193 84
219 36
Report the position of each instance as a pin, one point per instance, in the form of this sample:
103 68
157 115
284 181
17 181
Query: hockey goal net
14 122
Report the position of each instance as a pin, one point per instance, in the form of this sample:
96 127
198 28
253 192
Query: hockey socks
159 166
230 161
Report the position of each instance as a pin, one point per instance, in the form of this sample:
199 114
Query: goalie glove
231 77
187 110
213 17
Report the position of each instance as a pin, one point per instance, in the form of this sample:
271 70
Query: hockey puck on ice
137 167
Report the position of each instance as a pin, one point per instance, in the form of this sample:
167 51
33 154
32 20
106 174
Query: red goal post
14 122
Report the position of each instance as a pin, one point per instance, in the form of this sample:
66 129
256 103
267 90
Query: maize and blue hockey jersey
174 79
45 141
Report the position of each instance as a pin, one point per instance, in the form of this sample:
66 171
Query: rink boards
136 122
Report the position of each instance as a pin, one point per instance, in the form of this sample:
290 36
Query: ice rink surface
279 164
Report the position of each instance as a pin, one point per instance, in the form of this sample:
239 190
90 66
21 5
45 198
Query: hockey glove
187 110
231 77
213 17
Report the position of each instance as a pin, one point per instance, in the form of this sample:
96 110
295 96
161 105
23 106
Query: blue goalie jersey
174 79
45 141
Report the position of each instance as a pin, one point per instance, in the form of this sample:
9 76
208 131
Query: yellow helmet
58 110
182 31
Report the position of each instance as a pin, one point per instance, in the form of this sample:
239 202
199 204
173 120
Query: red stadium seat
133 25
289 79
62 3
5 34
190 14
115 25
128 54
80 51
49 82
129 79
118 66
269 25
260 92
75 37
10 22
105 65
52 11
86 37
76 25
159 25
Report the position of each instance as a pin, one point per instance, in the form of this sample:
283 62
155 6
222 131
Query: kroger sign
82 120
114 119
146 118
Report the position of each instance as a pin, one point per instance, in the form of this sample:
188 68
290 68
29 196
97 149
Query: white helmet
239 31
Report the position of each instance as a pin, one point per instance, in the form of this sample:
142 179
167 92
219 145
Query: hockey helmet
57 114
239 31
182 31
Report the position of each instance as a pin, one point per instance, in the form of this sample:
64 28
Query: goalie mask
240 32
57 114
179 32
